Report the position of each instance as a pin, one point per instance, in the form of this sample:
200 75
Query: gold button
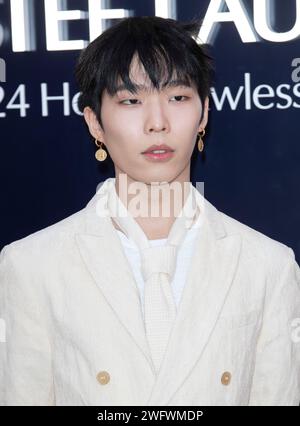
103 377
225 379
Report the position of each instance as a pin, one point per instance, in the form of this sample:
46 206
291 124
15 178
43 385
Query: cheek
186 120
186 132
120 126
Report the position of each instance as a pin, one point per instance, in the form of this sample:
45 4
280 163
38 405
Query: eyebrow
140 87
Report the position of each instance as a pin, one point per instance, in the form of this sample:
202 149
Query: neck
155 206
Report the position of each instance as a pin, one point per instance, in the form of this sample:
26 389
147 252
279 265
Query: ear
93 124
204 120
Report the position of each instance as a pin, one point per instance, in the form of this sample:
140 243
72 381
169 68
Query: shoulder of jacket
49 238
256 242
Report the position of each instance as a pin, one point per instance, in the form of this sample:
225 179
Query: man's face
134 122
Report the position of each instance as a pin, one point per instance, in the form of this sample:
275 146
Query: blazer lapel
208 284
102 253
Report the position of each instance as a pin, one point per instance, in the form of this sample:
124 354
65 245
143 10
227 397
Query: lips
163 147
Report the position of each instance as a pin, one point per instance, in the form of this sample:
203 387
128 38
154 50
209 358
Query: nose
156 119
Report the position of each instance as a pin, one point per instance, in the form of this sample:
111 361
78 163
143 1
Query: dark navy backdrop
251 163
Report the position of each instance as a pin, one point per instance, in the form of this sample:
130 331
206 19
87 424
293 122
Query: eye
180 96
129 100
135 101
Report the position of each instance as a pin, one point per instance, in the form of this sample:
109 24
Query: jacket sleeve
25 349
276 378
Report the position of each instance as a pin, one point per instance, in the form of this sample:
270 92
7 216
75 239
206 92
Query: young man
107 308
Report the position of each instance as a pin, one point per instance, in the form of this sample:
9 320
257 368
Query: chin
160 180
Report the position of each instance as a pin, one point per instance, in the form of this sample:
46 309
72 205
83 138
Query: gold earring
200 141
100 154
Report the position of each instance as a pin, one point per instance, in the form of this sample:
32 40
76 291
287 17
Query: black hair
163 46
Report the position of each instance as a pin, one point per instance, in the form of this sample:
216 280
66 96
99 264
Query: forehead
137 70
142 82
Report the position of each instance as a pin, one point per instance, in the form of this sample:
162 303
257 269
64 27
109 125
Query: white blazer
75 333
